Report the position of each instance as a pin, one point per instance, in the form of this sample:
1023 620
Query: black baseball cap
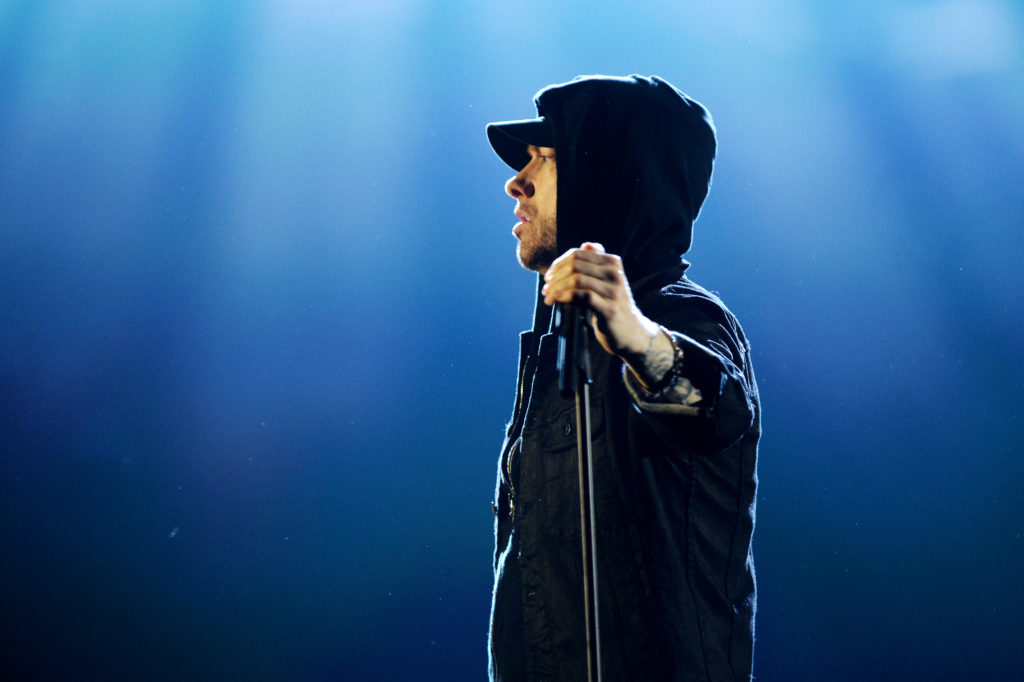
509 139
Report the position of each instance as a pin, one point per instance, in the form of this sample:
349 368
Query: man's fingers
603 271
591 251
593 256
566 288
578 260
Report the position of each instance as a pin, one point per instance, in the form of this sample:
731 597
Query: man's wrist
652 367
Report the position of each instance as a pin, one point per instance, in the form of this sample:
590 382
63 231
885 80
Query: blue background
259 306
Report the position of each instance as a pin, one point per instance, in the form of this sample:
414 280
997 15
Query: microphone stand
574 378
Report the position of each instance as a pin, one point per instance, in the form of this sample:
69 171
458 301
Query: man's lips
523 219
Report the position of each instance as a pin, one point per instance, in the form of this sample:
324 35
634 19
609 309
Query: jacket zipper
508 476
517 445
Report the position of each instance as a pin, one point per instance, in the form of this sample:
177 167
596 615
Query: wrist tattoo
665 368
658 364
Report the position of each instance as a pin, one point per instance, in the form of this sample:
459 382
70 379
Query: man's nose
519 186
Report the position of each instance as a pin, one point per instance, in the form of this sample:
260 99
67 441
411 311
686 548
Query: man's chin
534 260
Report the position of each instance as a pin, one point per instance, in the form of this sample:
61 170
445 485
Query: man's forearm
656 369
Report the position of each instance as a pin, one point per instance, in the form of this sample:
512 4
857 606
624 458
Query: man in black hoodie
610 178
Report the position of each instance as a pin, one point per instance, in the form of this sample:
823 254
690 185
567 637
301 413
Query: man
610 177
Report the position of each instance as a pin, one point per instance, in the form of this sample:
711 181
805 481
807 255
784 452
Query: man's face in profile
535 189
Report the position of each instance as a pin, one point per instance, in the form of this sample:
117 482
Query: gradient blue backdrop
259 305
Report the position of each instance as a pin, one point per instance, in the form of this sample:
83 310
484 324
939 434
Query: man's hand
591 276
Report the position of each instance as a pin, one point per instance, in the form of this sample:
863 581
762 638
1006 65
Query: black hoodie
675 484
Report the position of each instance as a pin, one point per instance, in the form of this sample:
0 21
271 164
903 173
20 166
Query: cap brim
509 139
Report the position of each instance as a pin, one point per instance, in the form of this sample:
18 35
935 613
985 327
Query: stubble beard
540 254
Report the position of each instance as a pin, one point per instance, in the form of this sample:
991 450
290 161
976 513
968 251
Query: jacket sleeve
716 360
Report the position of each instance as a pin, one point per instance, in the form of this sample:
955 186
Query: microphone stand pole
574 377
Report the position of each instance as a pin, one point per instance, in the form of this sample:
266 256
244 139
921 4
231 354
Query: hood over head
634 158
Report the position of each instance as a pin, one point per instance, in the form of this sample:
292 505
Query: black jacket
674 484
